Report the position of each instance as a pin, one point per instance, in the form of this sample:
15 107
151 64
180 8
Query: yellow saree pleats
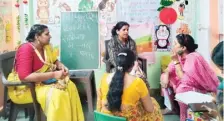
57 104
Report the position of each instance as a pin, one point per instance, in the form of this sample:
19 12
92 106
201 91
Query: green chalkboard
80 40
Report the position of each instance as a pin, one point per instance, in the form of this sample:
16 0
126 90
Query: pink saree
198 76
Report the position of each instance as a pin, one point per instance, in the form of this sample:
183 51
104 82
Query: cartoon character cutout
162 36
181 10
43 11
183 29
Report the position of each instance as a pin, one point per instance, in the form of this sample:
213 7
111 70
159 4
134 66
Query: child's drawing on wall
43 11
85 5
59 6
107 5
107 10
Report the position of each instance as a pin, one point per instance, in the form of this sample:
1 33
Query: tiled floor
21 117
89 117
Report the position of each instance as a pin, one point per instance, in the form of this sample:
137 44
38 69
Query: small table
86 78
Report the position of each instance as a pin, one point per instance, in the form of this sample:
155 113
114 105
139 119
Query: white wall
197 17
203 28
221 16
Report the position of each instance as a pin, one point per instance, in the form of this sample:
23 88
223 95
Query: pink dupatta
198 75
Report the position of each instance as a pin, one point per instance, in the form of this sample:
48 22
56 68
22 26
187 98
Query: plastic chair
109 66
105 117
6 65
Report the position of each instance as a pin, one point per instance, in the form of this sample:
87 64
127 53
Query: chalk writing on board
85 46
87 54
79 40
86 18
77 27
70 45
71 37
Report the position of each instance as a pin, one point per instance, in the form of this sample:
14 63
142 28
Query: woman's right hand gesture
164 84
59 74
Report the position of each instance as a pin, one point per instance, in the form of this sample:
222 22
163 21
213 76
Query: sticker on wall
43 11
162 34
183 29
181 8
168 15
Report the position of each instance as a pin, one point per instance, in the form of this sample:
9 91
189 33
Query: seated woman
217 58
36 62
120 39
125 95
188 71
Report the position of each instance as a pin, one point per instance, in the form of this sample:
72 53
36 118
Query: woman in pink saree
188 71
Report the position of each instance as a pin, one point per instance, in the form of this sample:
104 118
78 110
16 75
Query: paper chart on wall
142 15
137 11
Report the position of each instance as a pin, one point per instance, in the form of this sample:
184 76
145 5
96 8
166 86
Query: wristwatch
176 62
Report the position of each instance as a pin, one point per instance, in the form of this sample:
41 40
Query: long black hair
217 55
187 41
125 61
118 26
36 29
